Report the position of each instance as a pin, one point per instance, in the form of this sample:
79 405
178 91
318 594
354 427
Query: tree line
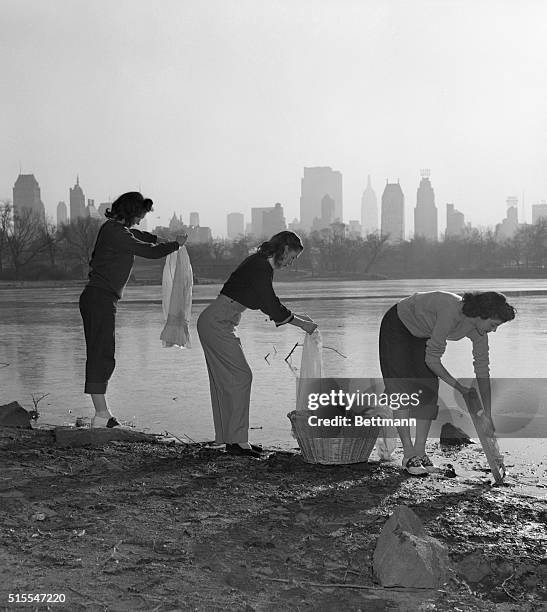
34 248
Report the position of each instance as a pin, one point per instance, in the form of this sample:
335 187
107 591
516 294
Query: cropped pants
98 310
230 376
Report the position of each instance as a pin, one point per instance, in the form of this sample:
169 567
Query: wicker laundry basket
342 449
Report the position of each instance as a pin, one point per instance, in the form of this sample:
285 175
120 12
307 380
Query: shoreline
163 525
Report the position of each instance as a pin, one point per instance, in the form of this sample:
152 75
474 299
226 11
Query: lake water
158 389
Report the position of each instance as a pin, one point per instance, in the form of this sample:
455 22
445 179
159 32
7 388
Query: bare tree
23 237
79 238
5 225
50 239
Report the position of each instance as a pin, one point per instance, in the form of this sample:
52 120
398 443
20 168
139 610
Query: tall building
26 195
103 207
267 221
62 214
508 227
273 220
257 221
194 219
393 212
77 201
369 210
91 211
318 182
235 225
425 213
176 224
539 211
328 206
455 221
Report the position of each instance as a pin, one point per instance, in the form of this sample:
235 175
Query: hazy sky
217 105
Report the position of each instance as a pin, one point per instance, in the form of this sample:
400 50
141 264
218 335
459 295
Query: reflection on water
168 389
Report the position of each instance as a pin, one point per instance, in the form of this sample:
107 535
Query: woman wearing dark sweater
230 377
110 268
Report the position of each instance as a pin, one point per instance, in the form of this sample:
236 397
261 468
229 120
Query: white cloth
311 366
177 283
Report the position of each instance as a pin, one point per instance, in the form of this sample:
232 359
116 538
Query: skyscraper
455 221
327 210
235 225
318 182
393 212
194 219
425 213
509 225
539 211
369 210
62 214
91 211
26 195
77 201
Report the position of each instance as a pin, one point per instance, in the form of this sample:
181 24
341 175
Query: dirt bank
165 526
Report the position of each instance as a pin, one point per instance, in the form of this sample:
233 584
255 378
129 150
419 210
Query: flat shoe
414 467
98 421
428 465
257 448
236 450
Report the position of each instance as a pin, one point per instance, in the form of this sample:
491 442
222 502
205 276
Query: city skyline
393 213
217 107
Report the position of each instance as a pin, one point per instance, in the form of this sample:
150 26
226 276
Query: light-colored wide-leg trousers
230 376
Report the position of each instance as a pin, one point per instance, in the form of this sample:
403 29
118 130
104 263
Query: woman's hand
463 389
305 323
181 239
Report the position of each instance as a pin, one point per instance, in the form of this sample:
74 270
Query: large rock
14 415
406 556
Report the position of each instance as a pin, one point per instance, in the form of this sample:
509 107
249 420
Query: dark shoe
98 421
257 448
236 450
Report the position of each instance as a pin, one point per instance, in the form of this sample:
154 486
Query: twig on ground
112 552
292 351
336 585
34 414
333 349
506 591
179 439
87 596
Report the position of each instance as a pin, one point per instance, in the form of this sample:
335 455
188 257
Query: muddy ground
166 526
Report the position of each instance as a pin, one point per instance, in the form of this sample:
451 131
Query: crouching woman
413 337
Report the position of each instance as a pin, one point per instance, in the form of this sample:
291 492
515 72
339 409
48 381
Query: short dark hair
276 245
128 206
487 305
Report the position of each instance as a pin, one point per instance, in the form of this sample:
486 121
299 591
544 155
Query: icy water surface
41 338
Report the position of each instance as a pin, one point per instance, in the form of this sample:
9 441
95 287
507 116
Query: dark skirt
98 310
402 361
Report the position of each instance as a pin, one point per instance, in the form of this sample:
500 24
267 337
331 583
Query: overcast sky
216 106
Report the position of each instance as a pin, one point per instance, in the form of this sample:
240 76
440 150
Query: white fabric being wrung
177 283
